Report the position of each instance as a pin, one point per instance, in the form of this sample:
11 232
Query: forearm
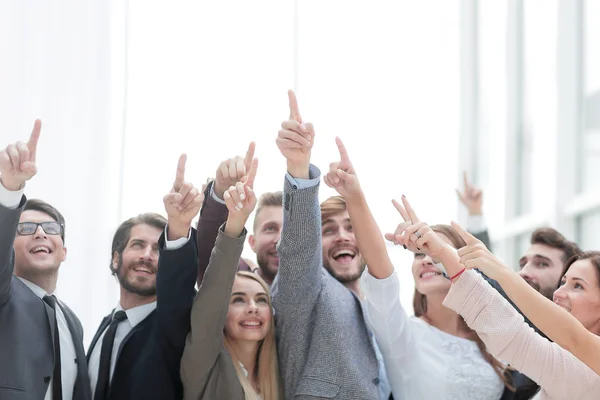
369 238
556 323
212 216
9 218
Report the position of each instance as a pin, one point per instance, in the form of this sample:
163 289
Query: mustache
335 249
534 285
143 263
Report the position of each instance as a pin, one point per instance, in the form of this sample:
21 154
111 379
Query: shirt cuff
214 195
476 224
302 183
177 243
10 199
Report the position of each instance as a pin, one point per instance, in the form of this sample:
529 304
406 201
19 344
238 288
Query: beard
546 292
267 270
347 277
131 285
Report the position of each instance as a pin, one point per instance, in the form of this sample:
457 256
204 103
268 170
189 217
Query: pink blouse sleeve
511 340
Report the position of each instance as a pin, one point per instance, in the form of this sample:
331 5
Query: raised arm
300 272
177 262
17 166
214 211
205 340
509 338
556 323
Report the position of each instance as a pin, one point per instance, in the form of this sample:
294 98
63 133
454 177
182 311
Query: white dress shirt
135 315
68 356
11 199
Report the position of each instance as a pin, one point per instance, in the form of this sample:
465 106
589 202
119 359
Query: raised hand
471 197
182 203
476 255
295 140
240 200
342 176
415 235
17 161
233 171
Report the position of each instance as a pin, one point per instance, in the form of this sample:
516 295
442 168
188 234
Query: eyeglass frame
41 224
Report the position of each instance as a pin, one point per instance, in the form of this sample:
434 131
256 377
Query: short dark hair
52 212
268 199
123 233
593 256
553 238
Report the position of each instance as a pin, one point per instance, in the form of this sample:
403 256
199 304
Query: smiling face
136 267
579 294
249 315
267 231
40 253
541 267
340 253
428 278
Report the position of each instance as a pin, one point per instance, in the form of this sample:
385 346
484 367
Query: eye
522 263
562 283
327 231
237 299
544 264
578 286
270 229
136 245
262 300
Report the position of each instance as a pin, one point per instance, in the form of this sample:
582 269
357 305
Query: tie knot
50 300
119 316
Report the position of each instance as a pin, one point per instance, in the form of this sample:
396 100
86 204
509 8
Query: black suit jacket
27 329
149 358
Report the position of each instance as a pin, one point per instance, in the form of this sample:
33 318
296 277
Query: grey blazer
27 329
324 345
207 371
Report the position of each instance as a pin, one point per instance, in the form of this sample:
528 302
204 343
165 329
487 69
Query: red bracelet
457 274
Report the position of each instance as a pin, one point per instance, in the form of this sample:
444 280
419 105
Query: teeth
40 248
251 324
430 273
344 253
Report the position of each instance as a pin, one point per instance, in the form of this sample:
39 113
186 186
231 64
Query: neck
131 300
354 286
268 279
443 318
45 280
246 352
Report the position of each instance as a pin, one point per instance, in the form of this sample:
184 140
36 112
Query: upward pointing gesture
17 161
342 176
182 203
295 140
471 197
233 171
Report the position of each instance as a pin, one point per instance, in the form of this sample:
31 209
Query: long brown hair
267 367
420 309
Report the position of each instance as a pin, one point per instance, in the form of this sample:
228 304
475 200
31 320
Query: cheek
232 316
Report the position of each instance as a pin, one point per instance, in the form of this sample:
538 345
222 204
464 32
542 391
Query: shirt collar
39 292
137 314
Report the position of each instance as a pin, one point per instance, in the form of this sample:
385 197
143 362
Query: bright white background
124 87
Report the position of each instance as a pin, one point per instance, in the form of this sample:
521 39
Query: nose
148 253
39 233
252 308
343 235
525 272
561 293
426 261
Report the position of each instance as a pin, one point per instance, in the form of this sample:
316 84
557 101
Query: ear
115 262
63 255
252 242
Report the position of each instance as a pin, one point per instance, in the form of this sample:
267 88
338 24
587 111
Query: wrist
11 186
177 230
219 191
234 226
475 212
298 170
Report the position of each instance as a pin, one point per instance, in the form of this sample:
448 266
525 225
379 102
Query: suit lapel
103 325
137 328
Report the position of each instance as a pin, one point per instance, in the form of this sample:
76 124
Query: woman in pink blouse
560 374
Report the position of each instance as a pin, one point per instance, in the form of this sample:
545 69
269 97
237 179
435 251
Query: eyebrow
543 257
577 279
245 294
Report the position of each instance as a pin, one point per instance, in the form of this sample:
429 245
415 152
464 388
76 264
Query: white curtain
63 62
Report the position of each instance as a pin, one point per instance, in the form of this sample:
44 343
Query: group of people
318 317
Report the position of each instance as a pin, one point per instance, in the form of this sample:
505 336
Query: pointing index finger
467 237
252 173
294 110
33 139
180 176
344 158
401 210
249 156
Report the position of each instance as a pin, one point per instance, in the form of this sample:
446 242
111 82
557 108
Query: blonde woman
230 352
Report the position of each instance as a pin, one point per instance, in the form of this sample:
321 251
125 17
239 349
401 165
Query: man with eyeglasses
40 337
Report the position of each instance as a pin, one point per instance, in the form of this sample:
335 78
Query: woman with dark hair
434 355
503 330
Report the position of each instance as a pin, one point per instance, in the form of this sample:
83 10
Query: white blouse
423 362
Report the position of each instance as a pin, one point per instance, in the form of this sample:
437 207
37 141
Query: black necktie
103 383
56 376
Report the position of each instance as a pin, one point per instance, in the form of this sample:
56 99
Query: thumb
460 195
467 237
346 177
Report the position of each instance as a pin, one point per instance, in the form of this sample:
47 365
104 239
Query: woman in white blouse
432 356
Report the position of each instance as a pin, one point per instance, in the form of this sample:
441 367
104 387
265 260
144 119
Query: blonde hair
332 206
267 366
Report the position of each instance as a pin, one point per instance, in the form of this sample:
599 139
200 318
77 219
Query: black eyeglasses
29 228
